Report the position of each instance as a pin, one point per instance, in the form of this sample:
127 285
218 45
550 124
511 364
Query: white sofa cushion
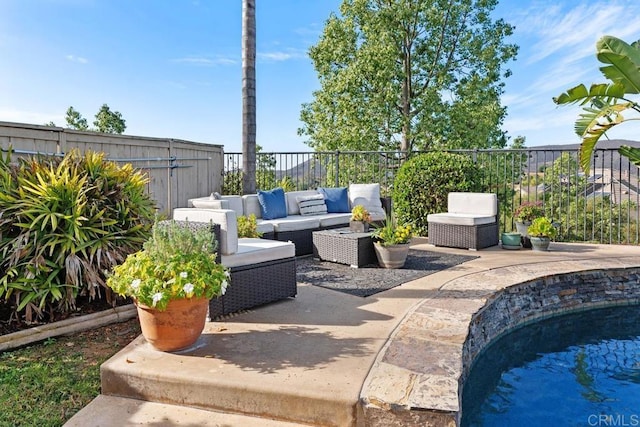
480 204
293 207
460 219
334 219
254 251
294 223
225 217
207 203
264 227
367 195
235 203
251 205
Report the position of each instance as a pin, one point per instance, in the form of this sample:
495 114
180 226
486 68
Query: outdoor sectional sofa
262 271
289 224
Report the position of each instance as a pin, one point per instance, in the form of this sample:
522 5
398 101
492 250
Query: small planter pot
175 328
359 226
393 256
523 229
511 241
540 243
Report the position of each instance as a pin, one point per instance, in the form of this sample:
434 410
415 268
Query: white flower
184 274
156 298
136 283
228 274
223 287
188 288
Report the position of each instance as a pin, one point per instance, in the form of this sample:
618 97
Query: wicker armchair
471 222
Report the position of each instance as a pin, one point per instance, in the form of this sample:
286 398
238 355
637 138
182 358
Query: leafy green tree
604 103
75 120
106 121
409 75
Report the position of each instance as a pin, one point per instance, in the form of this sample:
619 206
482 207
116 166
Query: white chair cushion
225 217
482 204
367 195
254 251
251 205
294 223
460 219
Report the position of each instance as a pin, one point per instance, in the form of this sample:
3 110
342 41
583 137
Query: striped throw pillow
312 205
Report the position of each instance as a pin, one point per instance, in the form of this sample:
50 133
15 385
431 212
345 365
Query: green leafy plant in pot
541 231
360 219
171 281
524 215
391 243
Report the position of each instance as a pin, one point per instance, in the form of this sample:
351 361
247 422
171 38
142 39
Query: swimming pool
575 369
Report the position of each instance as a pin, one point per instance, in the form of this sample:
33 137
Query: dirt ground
83 306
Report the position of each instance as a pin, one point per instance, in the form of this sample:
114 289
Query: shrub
64 223
542 227
528 211
248 226
423 183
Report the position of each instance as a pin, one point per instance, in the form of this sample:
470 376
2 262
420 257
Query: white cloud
205 61
78 59
557 51
572 31
31 117
285 55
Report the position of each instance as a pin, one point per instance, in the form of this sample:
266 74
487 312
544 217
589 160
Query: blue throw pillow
337 199
272 203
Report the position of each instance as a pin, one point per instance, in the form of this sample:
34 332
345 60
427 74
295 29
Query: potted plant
171 281
391 243
541 231
360 219
523 216
248 226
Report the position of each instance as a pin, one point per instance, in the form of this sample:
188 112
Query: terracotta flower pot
175 328
393 256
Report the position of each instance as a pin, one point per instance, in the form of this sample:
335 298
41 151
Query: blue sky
173 67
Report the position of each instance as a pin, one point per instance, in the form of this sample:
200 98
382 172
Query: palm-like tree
248 96
604 103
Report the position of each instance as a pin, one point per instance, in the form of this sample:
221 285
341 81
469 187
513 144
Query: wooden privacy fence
177 170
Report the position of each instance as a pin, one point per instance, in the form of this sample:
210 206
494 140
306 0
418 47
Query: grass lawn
46 384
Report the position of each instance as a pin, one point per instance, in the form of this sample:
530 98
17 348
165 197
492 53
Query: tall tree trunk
248 96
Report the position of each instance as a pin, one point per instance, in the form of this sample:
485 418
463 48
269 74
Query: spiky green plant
65 221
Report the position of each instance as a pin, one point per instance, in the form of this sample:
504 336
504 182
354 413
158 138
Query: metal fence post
337 162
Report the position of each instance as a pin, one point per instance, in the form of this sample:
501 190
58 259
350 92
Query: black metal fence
601 207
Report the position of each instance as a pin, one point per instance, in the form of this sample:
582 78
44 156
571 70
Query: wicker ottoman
344 247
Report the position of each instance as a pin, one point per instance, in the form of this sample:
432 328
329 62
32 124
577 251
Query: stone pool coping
417 377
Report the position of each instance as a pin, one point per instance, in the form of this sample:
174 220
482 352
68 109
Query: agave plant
604 103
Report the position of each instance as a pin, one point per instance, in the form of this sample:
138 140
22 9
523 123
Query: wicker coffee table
344 247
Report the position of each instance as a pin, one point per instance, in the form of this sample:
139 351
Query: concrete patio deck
327 358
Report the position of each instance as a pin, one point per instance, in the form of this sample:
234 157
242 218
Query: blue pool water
576 370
